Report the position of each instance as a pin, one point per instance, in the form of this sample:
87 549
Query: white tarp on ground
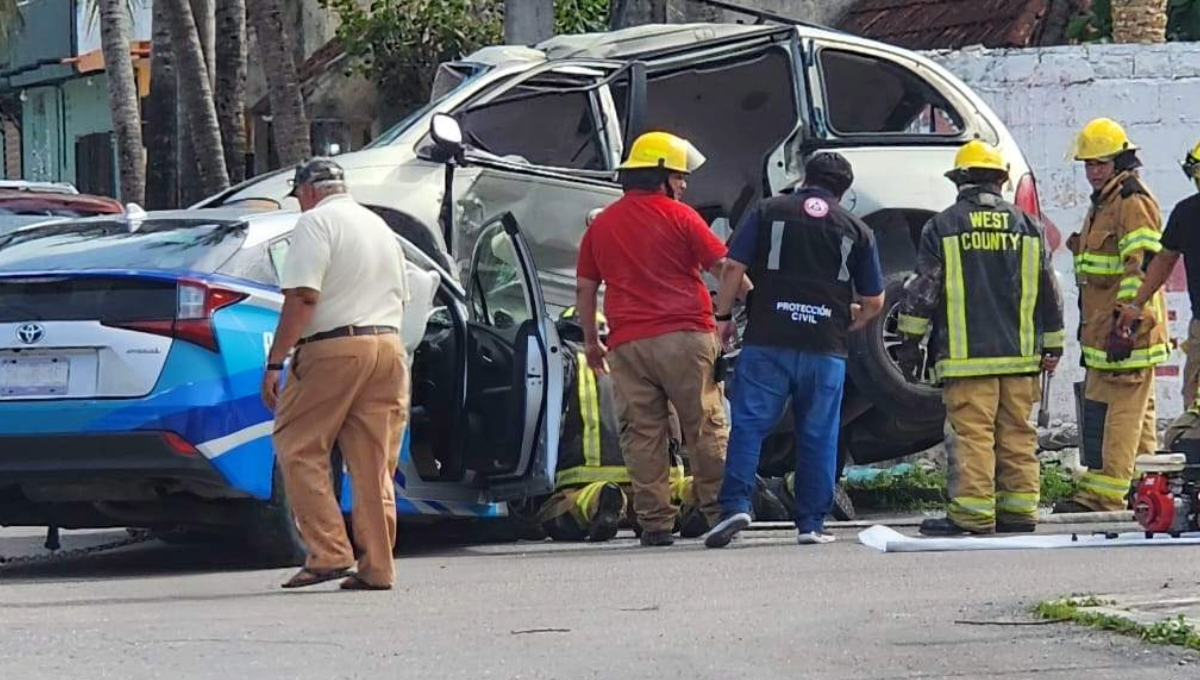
886 539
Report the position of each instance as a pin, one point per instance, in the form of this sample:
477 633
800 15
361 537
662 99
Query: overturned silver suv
545 128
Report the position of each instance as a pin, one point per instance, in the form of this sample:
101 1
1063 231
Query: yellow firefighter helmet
978 155
663 150
1191 164
1100 140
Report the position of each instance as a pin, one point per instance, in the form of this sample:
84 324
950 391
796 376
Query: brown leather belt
348 332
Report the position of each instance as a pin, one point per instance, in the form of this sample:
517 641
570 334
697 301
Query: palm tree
196 99
204 12
230 85
123 98
1139 21
11 21
289 120
162 130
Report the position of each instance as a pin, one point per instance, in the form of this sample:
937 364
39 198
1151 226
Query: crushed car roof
641 39
622 44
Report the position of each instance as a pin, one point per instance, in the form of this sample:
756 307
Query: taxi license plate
34 376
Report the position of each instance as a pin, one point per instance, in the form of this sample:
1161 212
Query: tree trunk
123 99
1139 21
289 126
231 84
196 99
204 13
162 129
528 22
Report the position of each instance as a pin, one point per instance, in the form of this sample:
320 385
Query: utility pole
527 22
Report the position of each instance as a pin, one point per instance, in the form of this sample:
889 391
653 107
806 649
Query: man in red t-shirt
650 250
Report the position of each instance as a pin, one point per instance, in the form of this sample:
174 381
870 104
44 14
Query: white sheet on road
886 539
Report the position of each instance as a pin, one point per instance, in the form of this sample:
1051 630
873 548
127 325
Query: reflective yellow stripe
1140 358
1020 503
975 507
681 489
1129 287
1103 486
912 325
1031 259
585 502
1104 265
579 475
589 411
1145 238
973 368
956 299
1054 339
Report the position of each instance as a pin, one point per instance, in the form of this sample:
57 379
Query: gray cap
314 170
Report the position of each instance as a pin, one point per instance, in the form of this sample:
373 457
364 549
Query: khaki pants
353 391
1191 367
1148 444
994 471
675 368
1115 425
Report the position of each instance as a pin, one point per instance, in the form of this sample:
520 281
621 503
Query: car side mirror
447 134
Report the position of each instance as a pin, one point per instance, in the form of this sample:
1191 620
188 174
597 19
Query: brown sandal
356 583
310 577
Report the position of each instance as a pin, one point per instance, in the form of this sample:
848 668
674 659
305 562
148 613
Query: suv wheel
873 365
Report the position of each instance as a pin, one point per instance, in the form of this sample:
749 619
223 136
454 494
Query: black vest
802 273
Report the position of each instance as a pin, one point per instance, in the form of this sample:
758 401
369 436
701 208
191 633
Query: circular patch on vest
816 207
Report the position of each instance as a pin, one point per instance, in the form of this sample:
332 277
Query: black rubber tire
876 374
843 507
270 531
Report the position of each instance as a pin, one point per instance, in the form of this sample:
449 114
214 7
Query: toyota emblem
31 333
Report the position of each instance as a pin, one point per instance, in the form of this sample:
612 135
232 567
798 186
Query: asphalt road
763 608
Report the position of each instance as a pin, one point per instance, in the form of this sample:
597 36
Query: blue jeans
764 379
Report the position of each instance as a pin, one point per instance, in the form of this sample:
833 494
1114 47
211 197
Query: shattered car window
865 95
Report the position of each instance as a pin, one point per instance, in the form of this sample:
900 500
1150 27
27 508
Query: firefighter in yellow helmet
1120 236
590 497
985 288
650 250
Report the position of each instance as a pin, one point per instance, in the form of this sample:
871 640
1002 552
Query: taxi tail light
178 444
196 303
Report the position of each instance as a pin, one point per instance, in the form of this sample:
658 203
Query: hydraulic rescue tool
1043 417
1167 496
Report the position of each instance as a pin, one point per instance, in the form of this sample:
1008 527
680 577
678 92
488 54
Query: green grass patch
1057 484
914 489
1178 632
919 489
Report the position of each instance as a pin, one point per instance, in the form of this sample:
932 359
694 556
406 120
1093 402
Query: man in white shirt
344 291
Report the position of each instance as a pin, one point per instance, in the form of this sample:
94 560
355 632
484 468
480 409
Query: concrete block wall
1045 95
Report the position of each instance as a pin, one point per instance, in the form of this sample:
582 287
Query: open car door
514 387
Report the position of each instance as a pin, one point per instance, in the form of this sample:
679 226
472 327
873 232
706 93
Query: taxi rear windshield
191 245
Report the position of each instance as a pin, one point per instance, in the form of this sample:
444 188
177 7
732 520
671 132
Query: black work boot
608 514
944 526
693 524
656 539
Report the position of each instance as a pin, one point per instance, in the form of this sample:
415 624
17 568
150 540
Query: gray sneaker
815 538
726 529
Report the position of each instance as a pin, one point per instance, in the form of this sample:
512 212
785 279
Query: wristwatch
274 367
723 317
